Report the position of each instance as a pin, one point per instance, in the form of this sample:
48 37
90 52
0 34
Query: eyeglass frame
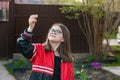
56 31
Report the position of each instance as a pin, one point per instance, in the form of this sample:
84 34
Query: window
4 7
28 1
44 1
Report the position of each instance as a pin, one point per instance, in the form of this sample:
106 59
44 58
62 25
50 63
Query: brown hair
64 48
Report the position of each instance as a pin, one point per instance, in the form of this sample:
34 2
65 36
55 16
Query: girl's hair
64 48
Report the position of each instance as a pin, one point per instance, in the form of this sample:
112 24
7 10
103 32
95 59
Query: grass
116 48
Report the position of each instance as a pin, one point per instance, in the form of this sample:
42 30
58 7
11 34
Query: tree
98 17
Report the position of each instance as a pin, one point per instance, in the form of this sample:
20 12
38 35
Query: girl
52 59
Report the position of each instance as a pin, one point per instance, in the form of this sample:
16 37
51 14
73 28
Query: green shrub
18 64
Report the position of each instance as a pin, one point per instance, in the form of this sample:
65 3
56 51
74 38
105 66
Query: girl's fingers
33 18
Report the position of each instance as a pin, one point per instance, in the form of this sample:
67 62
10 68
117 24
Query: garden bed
92 74
100 74
22 75
92 70
80 66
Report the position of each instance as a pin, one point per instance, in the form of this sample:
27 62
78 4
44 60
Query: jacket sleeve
24 44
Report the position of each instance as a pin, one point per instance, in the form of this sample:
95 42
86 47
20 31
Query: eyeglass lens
55 31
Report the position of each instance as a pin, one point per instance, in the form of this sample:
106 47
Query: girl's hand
32 21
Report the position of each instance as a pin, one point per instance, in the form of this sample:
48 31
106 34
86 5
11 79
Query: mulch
22 75
101 74
92 74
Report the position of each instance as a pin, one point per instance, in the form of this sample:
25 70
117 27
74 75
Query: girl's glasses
55 31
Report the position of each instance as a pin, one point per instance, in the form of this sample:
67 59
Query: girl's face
55 34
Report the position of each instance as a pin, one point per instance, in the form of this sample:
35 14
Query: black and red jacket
42 62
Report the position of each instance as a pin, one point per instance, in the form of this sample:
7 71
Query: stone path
4 75
115 70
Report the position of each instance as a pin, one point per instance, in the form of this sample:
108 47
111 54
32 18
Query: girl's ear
62 40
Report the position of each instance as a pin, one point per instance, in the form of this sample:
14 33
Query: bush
18 64
115 48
